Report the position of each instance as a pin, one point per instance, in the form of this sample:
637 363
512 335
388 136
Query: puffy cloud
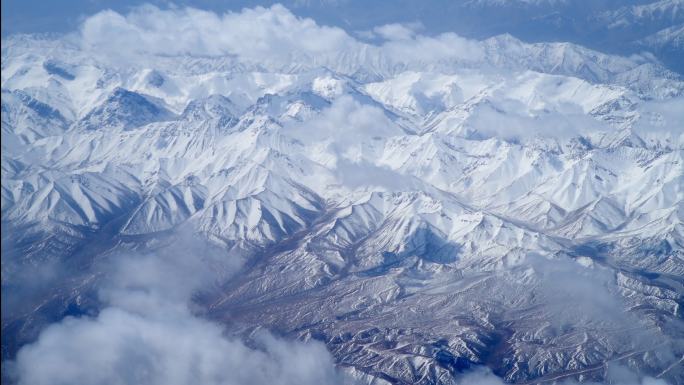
513 120
259 35
397 31
367 175
427 49
124 347
347 129
148 335
253 34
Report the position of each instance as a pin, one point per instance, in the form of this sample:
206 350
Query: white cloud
346 129
260 35
397 31
426 49
148 335
253 34
123 347
512 119
662 122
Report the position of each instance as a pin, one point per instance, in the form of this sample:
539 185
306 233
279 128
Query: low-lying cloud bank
148 335
258 33
264 35
175 347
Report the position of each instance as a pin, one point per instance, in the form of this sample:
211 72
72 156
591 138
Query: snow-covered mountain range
423 207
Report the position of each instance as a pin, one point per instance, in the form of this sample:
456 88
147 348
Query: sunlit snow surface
432 209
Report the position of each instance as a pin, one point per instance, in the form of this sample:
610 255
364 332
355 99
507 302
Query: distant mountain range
614 26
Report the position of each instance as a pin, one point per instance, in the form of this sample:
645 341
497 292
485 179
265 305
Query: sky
31 16
27 16
589 23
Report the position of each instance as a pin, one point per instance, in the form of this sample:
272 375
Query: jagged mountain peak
124 109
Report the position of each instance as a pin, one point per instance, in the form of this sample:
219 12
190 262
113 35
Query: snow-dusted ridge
417 213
